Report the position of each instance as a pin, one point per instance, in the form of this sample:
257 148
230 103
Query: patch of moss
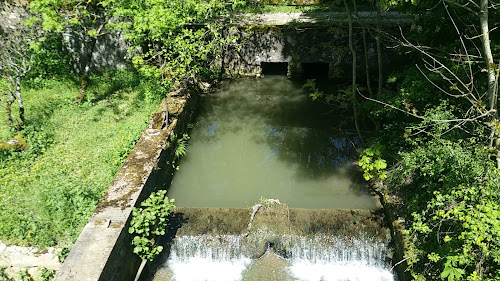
17 143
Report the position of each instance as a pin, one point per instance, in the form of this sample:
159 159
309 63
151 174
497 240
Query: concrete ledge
103 250
303 222
270 225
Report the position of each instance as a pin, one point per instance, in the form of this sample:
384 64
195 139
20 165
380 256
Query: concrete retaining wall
103 250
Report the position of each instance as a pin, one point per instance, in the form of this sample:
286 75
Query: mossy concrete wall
103 250
308 37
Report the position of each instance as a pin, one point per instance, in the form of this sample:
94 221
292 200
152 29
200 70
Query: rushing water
198 258
266 138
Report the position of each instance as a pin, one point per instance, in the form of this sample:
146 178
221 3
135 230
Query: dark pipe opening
312 70
274 68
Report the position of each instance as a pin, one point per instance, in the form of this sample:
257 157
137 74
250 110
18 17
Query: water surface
267 138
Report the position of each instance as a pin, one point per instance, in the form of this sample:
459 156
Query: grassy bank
48 192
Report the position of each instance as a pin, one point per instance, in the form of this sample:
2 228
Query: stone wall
110 50
301 38
275 44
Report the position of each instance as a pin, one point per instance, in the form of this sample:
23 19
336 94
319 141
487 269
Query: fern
181 144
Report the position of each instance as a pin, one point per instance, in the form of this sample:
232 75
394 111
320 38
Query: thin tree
15 62
85 20
354 87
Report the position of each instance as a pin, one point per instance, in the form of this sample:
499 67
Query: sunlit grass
48 192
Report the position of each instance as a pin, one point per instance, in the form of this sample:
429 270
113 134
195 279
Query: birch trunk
20 100
8 107
490 67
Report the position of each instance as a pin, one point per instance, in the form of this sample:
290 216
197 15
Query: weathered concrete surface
16 258
103 250
303 222
310 18
301 38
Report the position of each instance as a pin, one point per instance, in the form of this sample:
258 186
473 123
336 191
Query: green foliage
181 145
179 39
451 272
50 60
148 222
442 170
62 14
372 163
451 190
48 191
342 99
24 275
46 274
63 253
314 92
3 274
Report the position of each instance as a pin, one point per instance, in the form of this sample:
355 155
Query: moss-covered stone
17 143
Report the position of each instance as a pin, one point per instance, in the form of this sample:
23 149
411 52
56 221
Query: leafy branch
149 221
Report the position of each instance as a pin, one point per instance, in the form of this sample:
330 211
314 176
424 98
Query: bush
451 192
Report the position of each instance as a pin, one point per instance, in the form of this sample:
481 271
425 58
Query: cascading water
332 258
205 258
317 257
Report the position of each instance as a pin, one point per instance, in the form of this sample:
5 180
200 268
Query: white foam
326 271
208 269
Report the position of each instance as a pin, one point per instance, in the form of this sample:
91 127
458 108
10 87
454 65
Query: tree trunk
367 66
8 107
379 52
85 79
491 68
83 85
20 101
223 57
490 65
354 67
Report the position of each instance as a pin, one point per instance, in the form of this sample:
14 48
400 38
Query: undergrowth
48 192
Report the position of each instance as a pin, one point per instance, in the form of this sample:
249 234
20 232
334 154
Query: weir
281 244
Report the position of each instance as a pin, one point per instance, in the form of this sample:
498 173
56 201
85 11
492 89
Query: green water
267 138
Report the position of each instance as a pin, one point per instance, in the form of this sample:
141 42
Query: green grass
48 192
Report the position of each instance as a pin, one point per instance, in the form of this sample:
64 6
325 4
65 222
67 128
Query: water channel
267 138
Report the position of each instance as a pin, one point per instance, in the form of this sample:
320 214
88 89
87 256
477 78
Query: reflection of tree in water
296 129
318 153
